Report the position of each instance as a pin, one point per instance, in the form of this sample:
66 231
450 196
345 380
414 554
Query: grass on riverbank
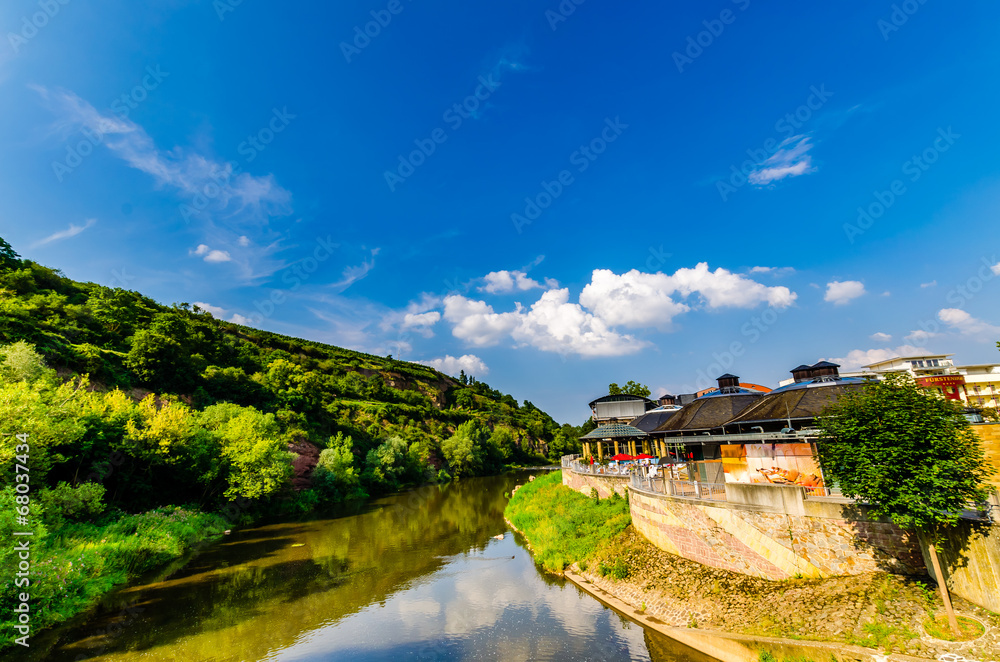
72 567
563 525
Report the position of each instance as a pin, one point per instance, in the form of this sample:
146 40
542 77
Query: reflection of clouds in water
484 606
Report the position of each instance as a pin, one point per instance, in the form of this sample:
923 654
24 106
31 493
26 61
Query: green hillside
142 420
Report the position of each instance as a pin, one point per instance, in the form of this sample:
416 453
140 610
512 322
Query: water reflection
412 577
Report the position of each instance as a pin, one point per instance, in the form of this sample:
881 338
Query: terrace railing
684 489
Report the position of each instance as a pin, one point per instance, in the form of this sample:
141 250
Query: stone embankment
876 610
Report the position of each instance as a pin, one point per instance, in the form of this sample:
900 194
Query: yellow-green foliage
563 525
73 567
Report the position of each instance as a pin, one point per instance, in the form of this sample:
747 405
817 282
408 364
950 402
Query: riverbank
877 611
75 565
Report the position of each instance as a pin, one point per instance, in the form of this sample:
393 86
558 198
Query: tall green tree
630 388
908 453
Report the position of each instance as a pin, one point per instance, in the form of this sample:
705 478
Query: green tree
464 450
630 388
9 259
335 476
19 362
908 453
388 464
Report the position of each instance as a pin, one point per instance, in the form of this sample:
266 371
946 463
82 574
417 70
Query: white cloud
637 299
215 310
996 269
355 273
881 337
555 325
421 322
450 365
552 324
774 271
857 358
71 231
920 336
243 241
240 319
499 282
968 325
930 284
842 292
476 323
241 196
791 160
217 257
209 255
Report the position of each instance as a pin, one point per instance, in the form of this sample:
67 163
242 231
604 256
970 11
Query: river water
416 576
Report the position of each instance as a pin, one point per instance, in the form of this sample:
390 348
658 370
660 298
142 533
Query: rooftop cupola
729 383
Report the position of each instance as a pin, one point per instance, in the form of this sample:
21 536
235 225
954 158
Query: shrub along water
563 525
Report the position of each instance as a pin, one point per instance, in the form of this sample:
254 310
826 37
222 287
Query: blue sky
552 196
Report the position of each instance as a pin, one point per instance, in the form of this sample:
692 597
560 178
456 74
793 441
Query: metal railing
684 489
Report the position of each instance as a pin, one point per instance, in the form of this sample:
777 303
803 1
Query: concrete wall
764 538
605 485
970 556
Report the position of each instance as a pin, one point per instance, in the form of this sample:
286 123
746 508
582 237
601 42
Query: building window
976 389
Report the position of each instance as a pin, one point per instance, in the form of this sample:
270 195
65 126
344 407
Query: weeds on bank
565 526
877 634
940 629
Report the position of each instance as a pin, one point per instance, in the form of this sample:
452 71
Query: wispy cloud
241 195
71 231
791 160
881 337
355 273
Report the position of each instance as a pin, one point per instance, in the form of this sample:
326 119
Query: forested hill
192 389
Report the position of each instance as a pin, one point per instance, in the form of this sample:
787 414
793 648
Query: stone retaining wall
774 545
604 484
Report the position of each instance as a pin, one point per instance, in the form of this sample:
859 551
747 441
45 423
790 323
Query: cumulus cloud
69 232
421 322
637 299
967 325
240 319
451 365
476 323
857 358
209 255
791 160
881 337
215 310
551 324
500 282
840 293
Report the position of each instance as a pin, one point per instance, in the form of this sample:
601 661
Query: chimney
667 399
728 383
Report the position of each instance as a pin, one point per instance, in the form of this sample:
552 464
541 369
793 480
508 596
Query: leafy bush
65 502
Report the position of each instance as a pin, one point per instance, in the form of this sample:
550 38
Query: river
415 576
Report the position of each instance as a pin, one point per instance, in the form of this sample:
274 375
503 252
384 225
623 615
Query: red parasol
643 456
621 457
